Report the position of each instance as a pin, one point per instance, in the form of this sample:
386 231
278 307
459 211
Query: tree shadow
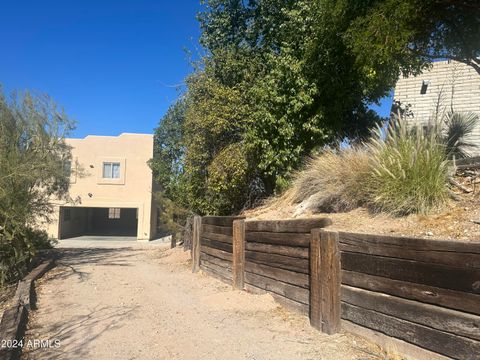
91 326
70 261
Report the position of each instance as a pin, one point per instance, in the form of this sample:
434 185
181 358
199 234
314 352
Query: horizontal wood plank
459 279
413 243
375 245
287 226
224 271
222 276
226 221
433 295
217 261
278 249
289 291
217 237
283 301
433 316
217 253
287 276
437 341
224 230
280 261
287 239
216 245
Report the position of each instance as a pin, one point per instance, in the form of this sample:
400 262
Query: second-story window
67 168
111 170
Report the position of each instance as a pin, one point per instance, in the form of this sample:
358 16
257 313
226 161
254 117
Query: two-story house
111 189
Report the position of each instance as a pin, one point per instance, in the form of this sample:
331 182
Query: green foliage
282 78
214 120
395 36
228 180
409 171
257 87
399 170
172 217
169 151
33 155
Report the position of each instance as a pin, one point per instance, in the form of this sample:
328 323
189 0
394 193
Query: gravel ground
142 302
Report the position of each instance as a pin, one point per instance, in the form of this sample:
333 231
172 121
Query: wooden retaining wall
215 250
424 292
418 291
277 257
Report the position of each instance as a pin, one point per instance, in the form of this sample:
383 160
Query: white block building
447 85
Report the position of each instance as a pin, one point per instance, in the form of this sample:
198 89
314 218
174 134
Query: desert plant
17 249
334 180
33 154
458 126
409 170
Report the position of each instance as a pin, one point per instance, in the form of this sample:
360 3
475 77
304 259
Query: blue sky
113 65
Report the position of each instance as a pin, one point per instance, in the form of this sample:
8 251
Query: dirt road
143 302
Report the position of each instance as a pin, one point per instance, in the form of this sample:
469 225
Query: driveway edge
15 318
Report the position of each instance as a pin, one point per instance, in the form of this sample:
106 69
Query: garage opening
79 221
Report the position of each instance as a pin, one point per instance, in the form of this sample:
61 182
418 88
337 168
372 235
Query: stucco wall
451 85
132 190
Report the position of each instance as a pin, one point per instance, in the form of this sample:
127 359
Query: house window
67 215
111 170
425 84
67 168
114 213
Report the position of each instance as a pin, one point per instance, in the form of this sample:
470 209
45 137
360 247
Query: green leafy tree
169 151
393 36
282 78
33 157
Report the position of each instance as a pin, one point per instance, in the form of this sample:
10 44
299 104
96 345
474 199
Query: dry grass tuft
333 181
399 172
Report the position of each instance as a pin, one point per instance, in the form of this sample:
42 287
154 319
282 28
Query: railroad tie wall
419 292
424 292
216 246
277 259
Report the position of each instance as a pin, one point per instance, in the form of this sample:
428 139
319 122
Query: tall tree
282 78
393 36
169 151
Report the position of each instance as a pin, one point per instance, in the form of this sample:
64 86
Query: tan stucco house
111 189
448 85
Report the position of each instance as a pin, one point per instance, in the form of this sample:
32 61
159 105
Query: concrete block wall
451 85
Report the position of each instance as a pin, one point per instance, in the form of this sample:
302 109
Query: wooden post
197 230
325 281
238 268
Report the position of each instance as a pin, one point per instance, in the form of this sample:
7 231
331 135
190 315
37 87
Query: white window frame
111 174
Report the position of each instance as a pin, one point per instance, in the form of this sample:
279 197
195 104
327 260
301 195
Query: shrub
228 179
409 171
458 128
17 250
334 180
400 171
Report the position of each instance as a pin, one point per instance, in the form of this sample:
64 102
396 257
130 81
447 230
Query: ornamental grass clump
333 181
409 170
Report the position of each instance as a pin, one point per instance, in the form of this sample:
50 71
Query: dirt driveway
142 302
